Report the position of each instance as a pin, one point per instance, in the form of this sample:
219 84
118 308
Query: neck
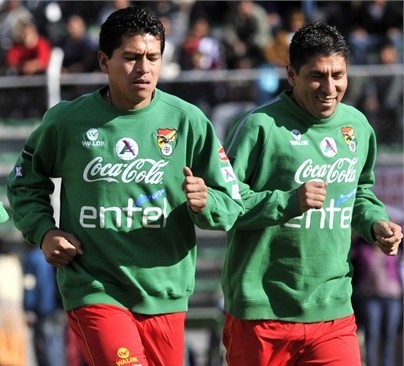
108 97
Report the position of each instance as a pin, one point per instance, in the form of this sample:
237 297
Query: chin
326 114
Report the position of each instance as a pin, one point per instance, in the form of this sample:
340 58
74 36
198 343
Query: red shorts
110 335
271 342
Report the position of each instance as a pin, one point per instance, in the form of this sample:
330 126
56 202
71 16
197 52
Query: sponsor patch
345 197
18 172
228 174
149 197
297 139
92 139
328 147
126 149
125 358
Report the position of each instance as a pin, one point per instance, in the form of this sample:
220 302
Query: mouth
140 82
327 101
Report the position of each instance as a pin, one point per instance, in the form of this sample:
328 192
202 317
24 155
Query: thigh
261 342
331 343
107 335
163 338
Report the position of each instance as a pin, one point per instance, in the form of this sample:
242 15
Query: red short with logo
110 335
271 342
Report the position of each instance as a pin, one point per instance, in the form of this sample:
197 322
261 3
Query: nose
328 85
142 66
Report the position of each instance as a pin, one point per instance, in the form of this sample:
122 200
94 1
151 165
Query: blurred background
225 57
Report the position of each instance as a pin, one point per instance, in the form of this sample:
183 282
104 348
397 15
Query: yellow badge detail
123 352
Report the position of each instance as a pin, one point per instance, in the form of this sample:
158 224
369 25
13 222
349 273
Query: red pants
275 343
110 335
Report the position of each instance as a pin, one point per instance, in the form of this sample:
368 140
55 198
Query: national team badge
222 154
166 140
349 136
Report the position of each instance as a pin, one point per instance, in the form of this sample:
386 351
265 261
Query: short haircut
316 39
130 21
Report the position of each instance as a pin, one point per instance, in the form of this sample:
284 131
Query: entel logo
123 217
328 217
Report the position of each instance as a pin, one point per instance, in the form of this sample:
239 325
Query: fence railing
54 79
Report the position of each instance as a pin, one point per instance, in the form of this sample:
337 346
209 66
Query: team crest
222 154
349 136
166 140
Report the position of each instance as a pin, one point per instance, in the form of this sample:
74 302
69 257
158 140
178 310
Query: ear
290 73
103 62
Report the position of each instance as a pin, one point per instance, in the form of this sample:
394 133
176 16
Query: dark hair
316 39
130 21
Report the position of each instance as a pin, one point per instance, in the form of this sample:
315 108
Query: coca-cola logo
341 171
141 170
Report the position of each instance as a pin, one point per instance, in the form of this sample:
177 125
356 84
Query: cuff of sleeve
37 236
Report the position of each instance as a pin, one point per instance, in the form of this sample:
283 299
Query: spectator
378 293
277 55
111 6
246 33
171 67
382 97
374 21
12 13
200 50
213 11
43 310
277 51
29 53
13 330
80 50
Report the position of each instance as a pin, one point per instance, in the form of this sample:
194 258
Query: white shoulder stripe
244 121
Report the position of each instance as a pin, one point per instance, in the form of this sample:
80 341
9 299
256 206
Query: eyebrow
134 53
320 72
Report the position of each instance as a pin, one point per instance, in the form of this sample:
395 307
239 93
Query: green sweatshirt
281 264
121 196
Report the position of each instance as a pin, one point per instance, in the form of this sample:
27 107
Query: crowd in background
201 35
211 35
204 34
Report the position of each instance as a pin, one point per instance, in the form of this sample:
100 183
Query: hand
388 236
59 247
195 190
311 195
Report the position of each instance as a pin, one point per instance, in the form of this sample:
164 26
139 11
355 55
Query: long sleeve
224 204
29 186
247 143
367 208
